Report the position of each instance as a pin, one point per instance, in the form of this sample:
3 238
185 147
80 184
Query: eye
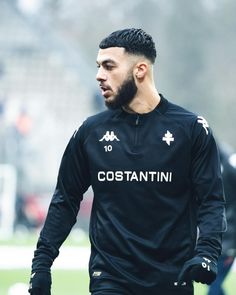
109 67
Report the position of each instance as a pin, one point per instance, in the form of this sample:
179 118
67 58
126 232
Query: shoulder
99 118
187 119
178 112
93 122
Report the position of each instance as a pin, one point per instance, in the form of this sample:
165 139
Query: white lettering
127 173
158 176
152 173
110 175
134 176
164 176
119 175
152 176
143 176
108 148
99 176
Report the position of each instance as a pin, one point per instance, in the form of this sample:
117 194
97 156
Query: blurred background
48 52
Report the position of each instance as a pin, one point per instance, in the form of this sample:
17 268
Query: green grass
64 282
74 282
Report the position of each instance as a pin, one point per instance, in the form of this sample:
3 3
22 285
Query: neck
143 102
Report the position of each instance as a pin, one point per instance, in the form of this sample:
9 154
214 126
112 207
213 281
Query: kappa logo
109 136
204 123
168 137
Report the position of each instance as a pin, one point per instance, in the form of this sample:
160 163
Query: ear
141 70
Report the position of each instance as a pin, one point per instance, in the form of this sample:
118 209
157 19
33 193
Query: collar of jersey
132 117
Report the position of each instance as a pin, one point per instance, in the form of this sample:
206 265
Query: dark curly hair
135 41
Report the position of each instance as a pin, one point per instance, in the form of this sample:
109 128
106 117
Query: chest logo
109 136
168 137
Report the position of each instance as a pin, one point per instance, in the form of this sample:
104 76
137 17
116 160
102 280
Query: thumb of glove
184 274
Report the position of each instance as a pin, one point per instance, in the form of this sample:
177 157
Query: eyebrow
106 61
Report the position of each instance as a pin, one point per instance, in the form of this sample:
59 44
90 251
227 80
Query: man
226 260
155 173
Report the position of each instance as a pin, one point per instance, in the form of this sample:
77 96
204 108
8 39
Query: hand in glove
199 269
40 283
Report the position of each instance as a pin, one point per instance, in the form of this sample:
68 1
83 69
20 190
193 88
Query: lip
105 90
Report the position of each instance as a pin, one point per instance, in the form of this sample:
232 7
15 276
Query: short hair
135 41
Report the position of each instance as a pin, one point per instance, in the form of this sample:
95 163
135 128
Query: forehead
115 54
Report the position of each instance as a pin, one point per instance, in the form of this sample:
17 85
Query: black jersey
156 178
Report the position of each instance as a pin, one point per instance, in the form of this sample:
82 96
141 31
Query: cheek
115 84
118 81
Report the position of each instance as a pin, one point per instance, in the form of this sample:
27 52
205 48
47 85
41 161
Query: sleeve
208 190
73 180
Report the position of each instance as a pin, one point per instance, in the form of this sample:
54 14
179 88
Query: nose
100 75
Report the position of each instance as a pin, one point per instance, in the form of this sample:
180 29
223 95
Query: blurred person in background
155 172
229 237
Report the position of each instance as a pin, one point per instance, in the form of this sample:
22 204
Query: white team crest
109 136
168 137
204 123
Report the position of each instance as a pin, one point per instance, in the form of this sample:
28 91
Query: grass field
76 282
72 282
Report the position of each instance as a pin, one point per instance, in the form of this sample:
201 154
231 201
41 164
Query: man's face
115 76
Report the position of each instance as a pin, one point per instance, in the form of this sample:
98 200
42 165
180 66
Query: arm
208 191
73 180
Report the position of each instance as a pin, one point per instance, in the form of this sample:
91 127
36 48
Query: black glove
198 269
40 283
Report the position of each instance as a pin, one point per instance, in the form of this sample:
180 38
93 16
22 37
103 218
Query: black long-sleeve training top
156 178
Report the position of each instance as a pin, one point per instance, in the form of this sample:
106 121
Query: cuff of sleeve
209 247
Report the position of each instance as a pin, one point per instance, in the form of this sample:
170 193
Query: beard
125 94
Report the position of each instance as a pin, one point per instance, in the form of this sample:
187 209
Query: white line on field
18 257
